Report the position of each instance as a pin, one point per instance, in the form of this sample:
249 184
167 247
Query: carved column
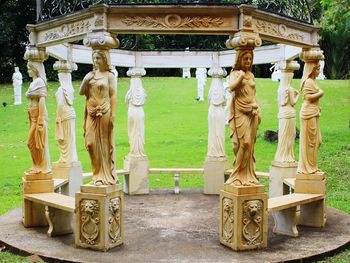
284 164
136 162
37 179
99 206
243 202
215 161
68 165
313 182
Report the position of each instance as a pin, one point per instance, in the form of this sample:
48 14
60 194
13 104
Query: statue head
36 70
311 70
100 60
16 69
244 60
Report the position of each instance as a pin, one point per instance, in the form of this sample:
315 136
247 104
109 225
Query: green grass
176 134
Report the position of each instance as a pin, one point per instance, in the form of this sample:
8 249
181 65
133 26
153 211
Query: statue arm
85 83
112 95
293 96
309 91
236 78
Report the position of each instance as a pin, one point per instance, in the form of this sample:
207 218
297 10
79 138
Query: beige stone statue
310 134
38 137
99 88
287 98
244 120
65 119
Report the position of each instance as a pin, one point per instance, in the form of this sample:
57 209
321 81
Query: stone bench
284 210
58 183
59 210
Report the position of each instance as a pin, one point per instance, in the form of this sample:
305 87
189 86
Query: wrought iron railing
296 9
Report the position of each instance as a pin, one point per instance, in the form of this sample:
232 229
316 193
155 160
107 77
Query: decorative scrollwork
227 220
114 231
89 211
280 30
252 230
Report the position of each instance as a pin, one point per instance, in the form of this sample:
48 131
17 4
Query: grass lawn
176 135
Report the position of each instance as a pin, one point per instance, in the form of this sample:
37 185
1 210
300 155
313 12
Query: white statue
216 115
228 96
186 73
17 86
136 98
287 98
65 119
114 70
201 76
321 76
276 73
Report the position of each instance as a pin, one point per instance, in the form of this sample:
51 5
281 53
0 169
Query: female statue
65 119
99 88
287 98
244 120
37 138
310 134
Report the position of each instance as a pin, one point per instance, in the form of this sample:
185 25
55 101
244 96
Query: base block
99 217
243 218
33 213
136 182
71 171
214 174
279 172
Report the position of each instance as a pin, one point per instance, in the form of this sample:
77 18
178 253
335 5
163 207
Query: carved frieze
173 21
227 220
252 230
89 221
114 225
279 30
99 20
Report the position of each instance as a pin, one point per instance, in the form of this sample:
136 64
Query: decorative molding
90 212
101 40
246 39
227 220
288 65
252 231
217 72
280 30
67 30
311 54
136 72
114 225
35 54
99 20
173 21
64 66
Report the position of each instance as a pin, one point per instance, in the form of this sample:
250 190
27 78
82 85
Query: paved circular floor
163 227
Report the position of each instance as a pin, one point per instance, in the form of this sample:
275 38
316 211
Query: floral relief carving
173 21
99 21
67 30
227 220
114 220
252 222
89 211
280 30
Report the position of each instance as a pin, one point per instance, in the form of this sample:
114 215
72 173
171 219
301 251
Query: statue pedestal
243 217
278 172
99 217
136 182
71 171
214 174
312 214
33 213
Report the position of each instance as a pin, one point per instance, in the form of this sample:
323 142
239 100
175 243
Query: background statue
17 86
287 98
38 137
310 134
136 98
244 121
99 88
201 76
65 119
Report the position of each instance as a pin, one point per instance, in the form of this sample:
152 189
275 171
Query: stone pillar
201 76
309 178
99 206
215 162
38 179
17 79
243 202
284 164
68 165
136 162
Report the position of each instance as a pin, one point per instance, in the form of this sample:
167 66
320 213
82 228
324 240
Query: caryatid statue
17 79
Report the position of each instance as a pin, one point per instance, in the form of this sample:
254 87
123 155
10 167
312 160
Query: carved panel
278 30
114 224
89 221
252 230
227 220
173 21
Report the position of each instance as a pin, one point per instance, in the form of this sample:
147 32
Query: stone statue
201 76
38 137
65 119
136 98
228 96
310 134
99 88
17 86
186 73
216 114
244 121
287 98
